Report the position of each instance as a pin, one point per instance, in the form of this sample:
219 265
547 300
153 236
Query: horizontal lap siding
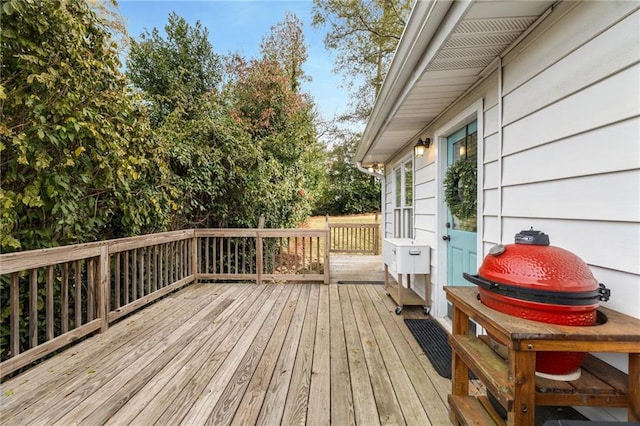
571 142
491 168
425 208
564 156
388 205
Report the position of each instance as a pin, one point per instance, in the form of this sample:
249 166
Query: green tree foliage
364 34
78 159
235 151
347 190
279 121
176 71
285 44
212 162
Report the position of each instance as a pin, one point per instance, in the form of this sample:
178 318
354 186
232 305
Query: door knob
446 237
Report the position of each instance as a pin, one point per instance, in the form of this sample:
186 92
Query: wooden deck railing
263 254
361 238
59 295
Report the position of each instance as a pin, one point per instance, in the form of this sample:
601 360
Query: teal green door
462 233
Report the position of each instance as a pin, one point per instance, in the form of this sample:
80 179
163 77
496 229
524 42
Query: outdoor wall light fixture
421 147
376 168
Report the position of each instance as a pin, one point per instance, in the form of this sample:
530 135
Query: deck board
342 408
319 407
240 354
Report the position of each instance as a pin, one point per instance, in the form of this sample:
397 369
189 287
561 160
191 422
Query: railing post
103 288
195 257
327 248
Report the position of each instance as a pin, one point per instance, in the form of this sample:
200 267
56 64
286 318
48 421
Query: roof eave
423 24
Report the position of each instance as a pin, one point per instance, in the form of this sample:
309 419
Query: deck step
469 410
490 368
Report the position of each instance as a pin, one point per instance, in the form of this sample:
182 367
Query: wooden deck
240 354
350 268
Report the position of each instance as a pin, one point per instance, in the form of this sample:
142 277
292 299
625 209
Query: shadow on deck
241 354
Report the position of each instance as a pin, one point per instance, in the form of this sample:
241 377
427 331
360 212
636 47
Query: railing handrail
15 262
250 232
353 225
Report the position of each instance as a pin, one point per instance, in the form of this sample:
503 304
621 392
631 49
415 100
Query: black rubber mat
361 282
433 341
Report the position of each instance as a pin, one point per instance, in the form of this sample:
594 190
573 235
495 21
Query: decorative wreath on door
460 189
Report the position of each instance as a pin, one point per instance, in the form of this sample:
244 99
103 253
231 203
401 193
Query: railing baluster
14 346
304 242
33 308
117 281
244 255
180 254
185 259
235 243
155 267
141 273
127 289
64 288
90 290
134 274
103 285
149 250
206 255
230 254
78 293
49 306
163 268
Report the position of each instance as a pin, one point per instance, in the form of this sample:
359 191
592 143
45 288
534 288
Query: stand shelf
405 296
506 363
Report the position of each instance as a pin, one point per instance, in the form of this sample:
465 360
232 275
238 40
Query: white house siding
570 162
571 140
571 143
564 155
387 199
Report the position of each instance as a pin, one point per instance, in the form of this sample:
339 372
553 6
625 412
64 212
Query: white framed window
403 199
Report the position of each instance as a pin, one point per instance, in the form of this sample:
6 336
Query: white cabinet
404 257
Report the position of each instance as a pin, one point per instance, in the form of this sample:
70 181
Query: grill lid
532 269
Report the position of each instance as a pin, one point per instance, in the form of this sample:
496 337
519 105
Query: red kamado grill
536 281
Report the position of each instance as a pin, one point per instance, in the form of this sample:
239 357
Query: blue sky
238 26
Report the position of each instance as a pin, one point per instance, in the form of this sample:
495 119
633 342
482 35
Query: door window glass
465 147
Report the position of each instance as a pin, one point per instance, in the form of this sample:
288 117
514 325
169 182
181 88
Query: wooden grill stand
507 369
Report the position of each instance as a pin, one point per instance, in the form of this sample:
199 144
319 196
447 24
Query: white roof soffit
443 52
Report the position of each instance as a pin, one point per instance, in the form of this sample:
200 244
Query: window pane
408 223
397 220
470 224
408 183
472 147
398 187
459 151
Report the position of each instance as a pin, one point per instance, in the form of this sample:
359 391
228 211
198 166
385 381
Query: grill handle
605 293
559 298
477 280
